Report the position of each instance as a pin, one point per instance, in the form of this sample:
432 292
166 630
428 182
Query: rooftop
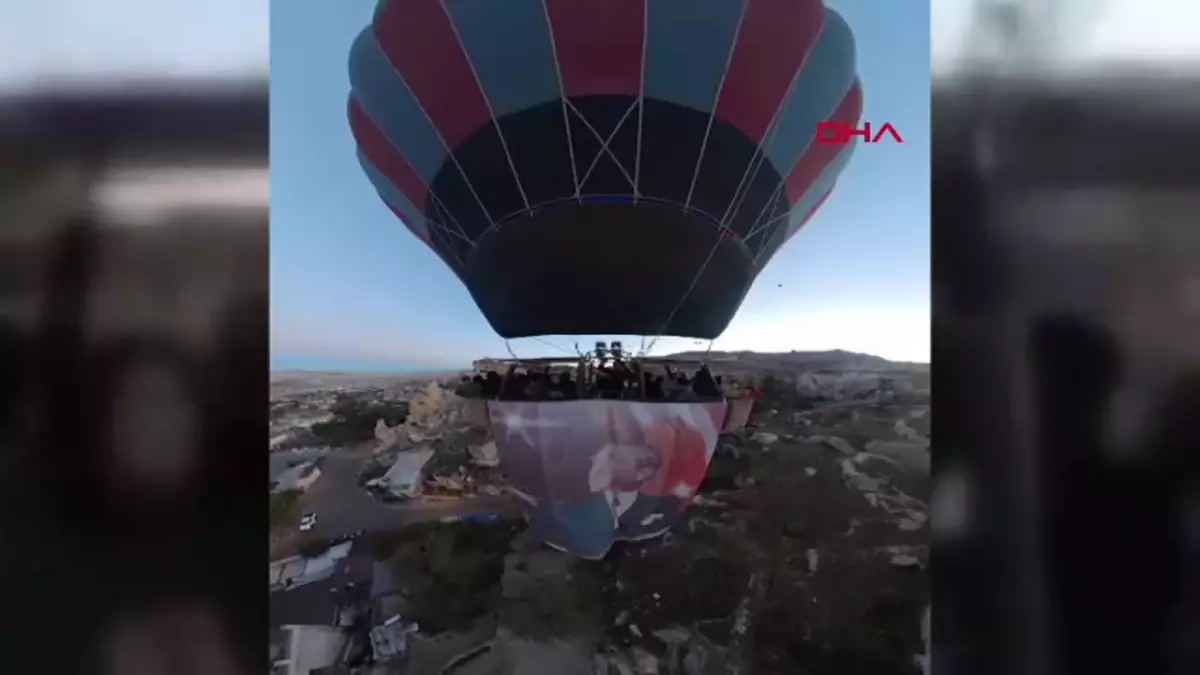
316 603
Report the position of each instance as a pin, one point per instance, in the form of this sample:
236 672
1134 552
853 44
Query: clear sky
349 283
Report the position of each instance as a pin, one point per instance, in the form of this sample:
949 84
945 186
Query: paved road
343 507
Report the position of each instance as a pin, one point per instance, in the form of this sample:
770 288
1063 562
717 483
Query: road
343 507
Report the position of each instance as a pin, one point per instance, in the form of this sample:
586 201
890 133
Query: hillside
833 360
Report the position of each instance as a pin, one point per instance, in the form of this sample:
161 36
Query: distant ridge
834 359
349 366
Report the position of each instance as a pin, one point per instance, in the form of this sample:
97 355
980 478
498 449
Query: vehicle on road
307 521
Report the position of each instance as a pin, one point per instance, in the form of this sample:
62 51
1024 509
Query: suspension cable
548 343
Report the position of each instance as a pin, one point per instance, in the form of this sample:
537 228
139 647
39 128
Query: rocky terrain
804 553
285 383
790 362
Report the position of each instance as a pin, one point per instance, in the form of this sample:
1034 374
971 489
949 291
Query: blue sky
350 285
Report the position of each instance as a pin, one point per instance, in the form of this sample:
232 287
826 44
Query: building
300 477
315 621
405 477
300 650
389 640
298 571
317 592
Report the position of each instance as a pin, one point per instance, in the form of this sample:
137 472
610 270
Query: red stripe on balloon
417 233
775 38
385 157
599 45
819 155
420 42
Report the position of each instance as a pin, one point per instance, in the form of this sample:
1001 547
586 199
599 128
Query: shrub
370 473
285 508
383 545
311 548
354 420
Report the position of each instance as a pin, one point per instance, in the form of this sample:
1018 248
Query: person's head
554 378
631 465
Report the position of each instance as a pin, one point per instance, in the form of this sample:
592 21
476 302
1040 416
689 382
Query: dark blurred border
148 121
96 567
1074 562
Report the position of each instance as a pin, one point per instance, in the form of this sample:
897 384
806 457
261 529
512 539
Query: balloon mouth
601 199
633 293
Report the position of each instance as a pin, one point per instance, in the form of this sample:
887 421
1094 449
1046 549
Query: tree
384 545
311 548
372 472
285 508
354 420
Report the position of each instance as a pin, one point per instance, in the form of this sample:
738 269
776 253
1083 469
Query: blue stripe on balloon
824 79
381 92
688 48
413 218
508 44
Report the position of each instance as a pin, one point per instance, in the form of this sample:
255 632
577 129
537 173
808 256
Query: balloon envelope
594 472
603 166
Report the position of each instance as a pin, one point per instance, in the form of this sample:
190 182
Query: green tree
384 545
372 472
285 508
311 548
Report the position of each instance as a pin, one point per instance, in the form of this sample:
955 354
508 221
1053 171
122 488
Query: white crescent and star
516 423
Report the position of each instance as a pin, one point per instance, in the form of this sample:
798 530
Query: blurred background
133 330
1065 273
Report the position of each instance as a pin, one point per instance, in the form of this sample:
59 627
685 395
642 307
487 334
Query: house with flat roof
302 649
298 570
298 477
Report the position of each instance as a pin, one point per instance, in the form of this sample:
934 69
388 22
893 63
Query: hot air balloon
601 167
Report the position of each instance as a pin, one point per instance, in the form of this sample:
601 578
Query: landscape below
804 552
